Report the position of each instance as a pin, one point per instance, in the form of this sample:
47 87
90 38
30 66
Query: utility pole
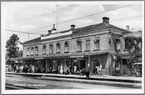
28 36
56 17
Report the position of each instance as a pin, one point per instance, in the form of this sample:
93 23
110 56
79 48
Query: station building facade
85 47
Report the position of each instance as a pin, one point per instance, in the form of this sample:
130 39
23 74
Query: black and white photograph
72 47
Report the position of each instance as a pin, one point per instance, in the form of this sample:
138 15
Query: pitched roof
91 28
33 40
81 30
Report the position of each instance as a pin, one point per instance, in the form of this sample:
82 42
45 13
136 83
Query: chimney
105 20
42 35
127 27
53 29
49 31
72 26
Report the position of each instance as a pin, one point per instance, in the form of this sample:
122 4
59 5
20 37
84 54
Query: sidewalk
131 82
94 77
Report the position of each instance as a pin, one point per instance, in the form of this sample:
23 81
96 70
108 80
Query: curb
97 78
116 84
10 86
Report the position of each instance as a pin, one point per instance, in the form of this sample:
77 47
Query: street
22 82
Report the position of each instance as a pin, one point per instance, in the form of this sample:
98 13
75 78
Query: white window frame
50 48
66 47
88 45
58 48
44 49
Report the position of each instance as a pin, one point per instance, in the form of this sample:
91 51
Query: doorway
82 64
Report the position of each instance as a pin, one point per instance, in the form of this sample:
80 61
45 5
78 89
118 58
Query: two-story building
89 46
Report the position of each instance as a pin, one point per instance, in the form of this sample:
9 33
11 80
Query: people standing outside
75 69
25 69
99 69
65 69
33 69
88 71
61 69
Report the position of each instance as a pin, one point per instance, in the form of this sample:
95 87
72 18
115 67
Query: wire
43 14
45 31
82 17
128 18
22 32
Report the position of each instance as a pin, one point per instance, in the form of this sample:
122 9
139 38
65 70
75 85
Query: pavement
118 81
14 82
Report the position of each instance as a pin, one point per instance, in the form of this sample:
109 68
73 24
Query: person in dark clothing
25 69
39 70
87 72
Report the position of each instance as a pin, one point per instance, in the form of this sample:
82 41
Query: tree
135 52
12 51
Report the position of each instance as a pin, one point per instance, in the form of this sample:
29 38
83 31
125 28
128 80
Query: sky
32 16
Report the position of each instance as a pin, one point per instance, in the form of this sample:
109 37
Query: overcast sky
23 16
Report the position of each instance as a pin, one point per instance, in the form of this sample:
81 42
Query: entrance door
96 62
82 64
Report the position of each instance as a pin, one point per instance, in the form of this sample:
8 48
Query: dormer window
58 48
79 45
44 49
66 47
50 48
36 50
97 43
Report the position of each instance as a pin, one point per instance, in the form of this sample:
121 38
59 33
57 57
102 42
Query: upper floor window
50 48
44 49
58 48
32 51
28 52
118 44
66 47
36 50
97 43
88 44
79 45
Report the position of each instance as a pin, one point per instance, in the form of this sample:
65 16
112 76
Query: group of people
63 69
26 69
67 70
58 70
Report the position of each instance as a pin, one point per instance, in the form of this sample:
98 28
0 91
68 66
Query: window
58 48
36 50
97 44
118 44
32 51
66 47
79 45
88 44
50 48
44 49
27 52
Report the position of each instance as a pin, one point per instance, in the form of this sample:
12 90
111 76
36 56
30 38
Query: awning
81 56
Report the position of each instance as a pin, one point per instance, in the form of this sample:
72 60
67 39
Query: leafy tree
12 51
135 52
